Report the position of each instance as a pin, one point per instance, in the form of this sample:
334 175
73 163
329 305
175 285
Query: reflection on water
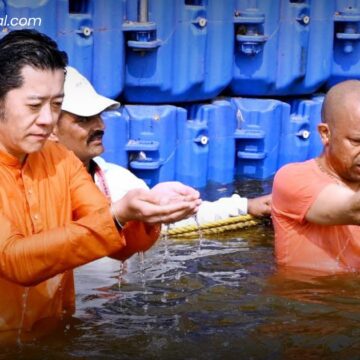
224 300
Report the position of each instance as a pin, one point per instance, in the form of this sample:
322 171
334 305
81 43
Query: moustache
97 134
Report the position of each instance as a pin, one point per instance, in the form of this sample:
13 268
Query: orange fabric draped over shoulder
53 218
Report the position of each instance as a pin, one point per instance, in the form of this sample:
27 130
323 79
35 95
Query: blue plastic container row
166 51
212 142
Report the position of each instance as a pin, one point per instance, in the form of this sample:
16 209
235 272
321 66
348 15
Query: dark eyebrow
35 97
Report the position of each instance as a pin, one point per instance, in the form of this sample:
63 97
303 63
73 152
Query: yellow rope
214 227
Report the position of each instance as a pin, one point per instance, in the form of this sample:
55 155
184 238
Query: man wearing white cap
81 129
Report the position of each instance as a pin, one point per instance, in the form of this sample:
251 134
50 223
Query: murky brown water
221 299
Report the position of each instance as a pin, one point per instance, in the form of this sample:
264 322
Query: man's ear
324 132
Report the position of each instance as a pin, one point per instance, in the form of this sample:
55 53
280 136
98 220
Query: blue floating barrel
75 35
222 124
152 141
177 50
91 33
192 149
316 146
220 118
108 51
258 136
116 137
278 47
300 139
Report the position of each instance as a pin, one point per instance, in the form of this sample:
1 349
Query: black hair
26 47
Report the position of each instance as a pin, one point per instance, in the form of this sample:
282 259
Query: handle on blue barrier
142 145
249 31
349 18
249 134
143 35
145 165
251 155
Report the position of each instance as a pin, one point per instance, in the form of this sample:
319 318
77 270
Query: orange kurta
53 218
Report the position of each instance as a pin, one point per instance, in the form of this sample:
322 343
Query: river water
219 298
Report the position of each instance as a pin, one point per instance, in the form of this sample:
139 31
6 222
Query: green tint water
224 300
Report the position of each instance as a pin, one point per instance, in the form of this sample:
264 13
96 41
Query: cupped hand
165 203
173 191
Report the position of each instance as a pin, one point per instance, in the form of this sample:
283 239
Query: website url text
20 21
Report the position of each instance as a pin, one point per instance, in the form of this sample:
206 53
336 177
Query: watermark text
7 21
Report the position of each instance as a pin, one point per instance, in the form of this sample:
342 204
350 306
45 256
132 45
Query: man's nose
99 122
46 116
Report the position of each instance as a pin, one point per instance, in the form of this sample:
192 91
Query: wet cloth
298 243
52 219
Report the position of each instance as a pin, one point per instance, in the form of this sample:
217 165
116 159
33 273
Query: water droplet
23 313
121 274
164 298
200 233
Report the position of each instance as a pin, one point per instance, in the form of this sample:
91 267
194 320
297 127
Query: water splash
23 312
143 280
121 273
142 271
200 234
165 241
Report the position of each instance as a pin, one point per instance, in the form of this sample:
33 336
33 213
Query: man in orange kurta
53 218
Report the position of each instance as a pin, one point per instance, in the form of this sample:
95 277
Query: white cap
80 98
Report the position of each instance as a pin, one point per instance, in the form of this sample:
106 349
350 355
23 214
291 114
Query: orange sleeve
296 187
28 260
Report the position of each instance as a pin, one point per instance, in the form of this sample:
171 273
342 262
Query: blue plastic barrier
299 136
222 124
116 137
346 56
181 51
316 146
75 36
151 146
92 37
258 136
282 47
109 58
207 150
192 149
